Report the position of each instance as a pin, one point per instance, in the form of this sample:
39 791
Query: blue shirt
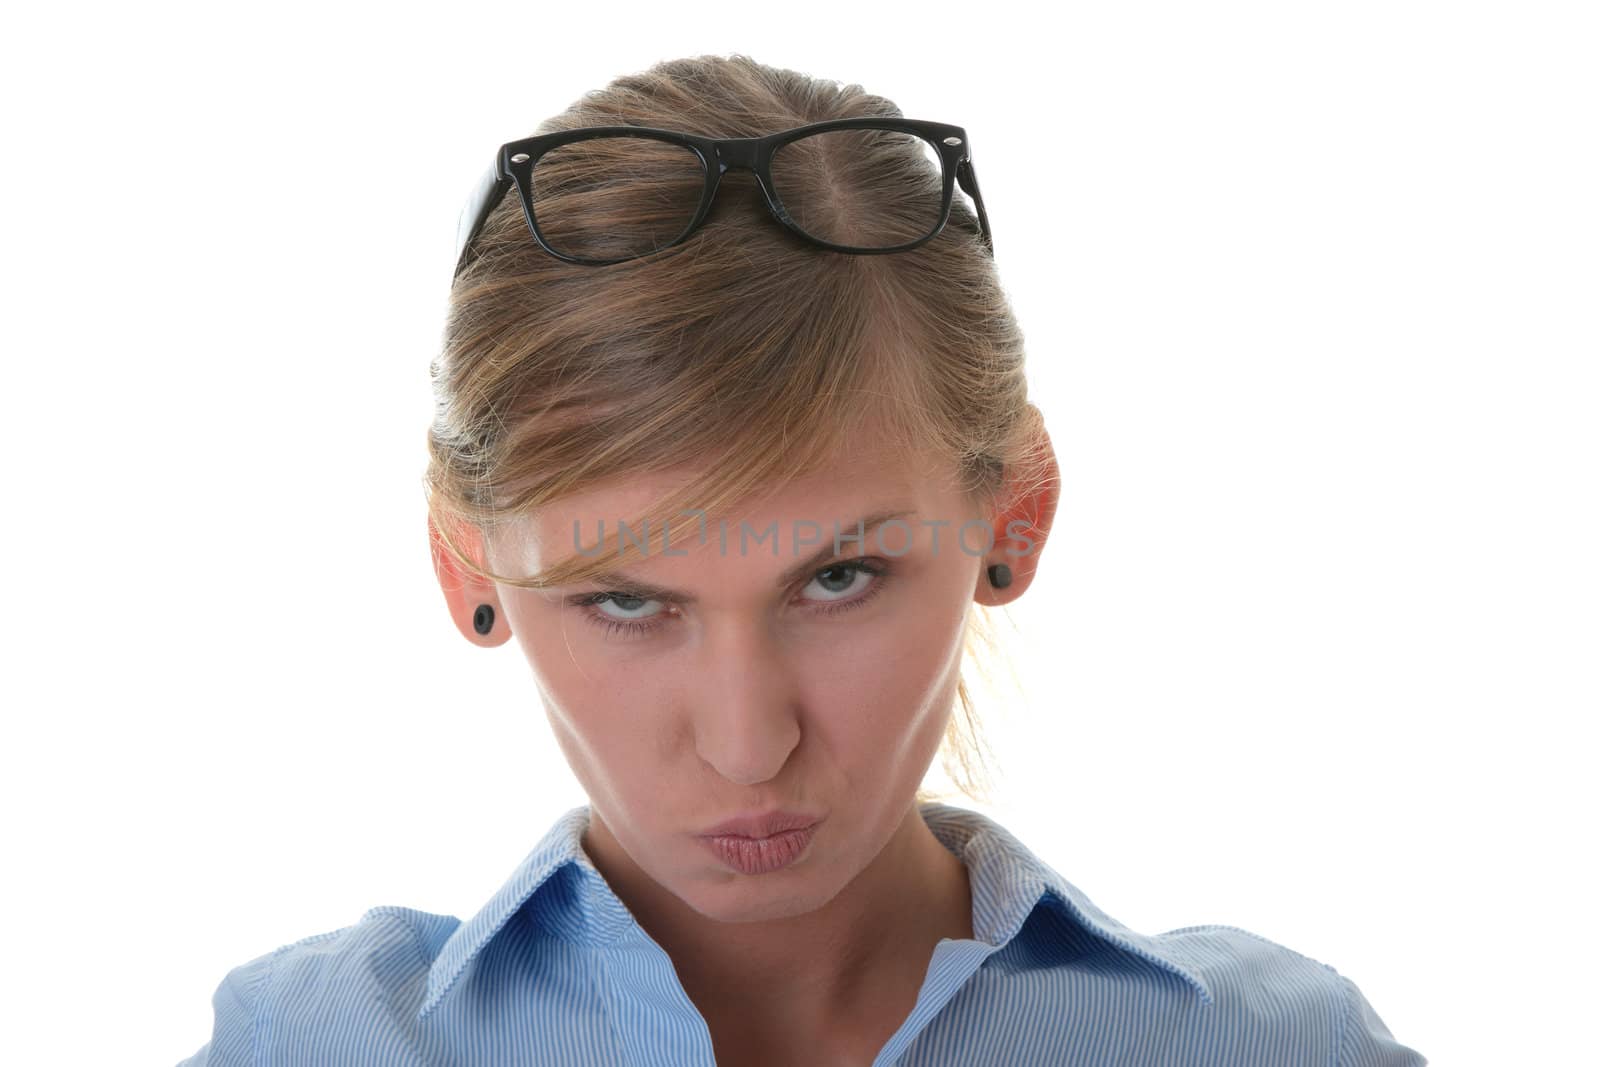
554 970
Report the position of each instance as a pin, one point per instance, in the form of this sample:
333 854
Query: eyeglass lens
614 197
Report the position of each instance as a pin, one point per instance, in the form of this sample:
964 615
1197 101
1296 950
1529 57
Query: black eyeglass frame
515 160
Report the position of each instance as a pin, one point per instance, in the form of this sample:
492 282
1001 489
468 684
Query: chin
747 905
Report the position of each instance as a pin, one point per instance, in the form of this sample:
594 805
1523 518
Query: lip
762 825
761 855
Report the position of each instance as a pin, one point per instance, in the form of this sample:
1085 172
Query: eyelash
860 565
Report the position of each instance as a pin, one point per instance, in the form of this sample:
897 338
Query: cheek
593 715
615 758
601 711
890 688
578 671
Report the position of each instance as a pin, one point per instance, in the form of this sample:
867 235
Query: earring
483 619
999 576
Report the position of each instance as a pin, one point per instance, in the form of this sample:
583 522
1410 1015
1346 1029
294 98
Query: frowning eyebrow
621 580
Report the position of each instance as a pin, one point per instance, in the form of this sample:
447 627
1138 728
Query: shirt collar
1008 882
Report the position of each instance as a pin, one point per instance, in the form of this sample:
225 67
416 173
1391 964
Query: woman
732 461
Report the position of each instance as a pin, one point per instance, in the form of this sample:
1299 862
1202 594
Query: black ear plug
999 576
483 619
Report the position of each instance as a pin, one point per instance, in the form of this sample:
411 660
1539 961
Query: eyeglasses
665 181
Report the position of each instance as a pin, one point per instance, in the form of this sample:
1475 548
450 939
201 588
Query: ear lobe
1021 576
1022 527
464 593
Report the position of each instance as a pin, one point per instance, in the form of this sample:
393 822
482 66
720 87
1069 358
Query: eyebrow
620 580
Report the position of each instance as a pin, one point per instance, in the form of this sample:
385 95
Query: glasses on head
662 184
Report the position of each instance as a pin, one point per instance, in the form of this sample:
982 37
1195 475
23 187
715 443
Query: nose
747 714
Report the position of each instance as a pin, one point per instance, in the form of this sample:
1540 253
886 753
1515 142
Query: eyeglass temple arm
968 179
491 188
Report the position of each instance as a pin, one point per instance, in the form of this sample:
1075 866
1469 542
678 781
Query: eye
838 580
619 612
845 585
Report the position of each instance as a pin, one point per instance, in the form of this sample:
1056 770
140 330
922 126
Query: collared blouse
555 971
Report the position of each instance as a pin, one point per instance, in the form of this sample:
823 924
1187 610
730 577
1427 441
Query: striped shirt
554 970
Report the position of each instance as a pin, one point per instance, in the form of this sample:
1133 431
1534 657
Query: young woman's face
737 691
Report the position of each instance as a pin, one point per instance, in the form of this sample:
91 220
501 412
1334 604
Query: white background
1310 298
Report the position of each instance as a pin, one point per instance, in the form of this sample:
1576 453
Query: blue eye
836 578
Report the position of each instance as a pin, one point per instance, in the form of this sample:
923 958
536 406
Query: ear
463 592
1020 528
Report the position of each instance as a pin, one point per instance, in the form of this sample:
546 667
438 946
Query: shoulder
1234 958
393 938
1262 986
374 961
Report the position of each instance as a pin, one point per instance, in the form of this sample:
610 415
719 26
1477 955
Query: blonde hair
741 351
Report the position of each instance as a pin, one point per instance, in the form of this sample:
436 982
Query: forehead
858 484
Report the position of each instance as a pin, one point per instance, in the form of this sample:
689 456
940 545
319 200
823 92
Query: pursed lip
764 825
